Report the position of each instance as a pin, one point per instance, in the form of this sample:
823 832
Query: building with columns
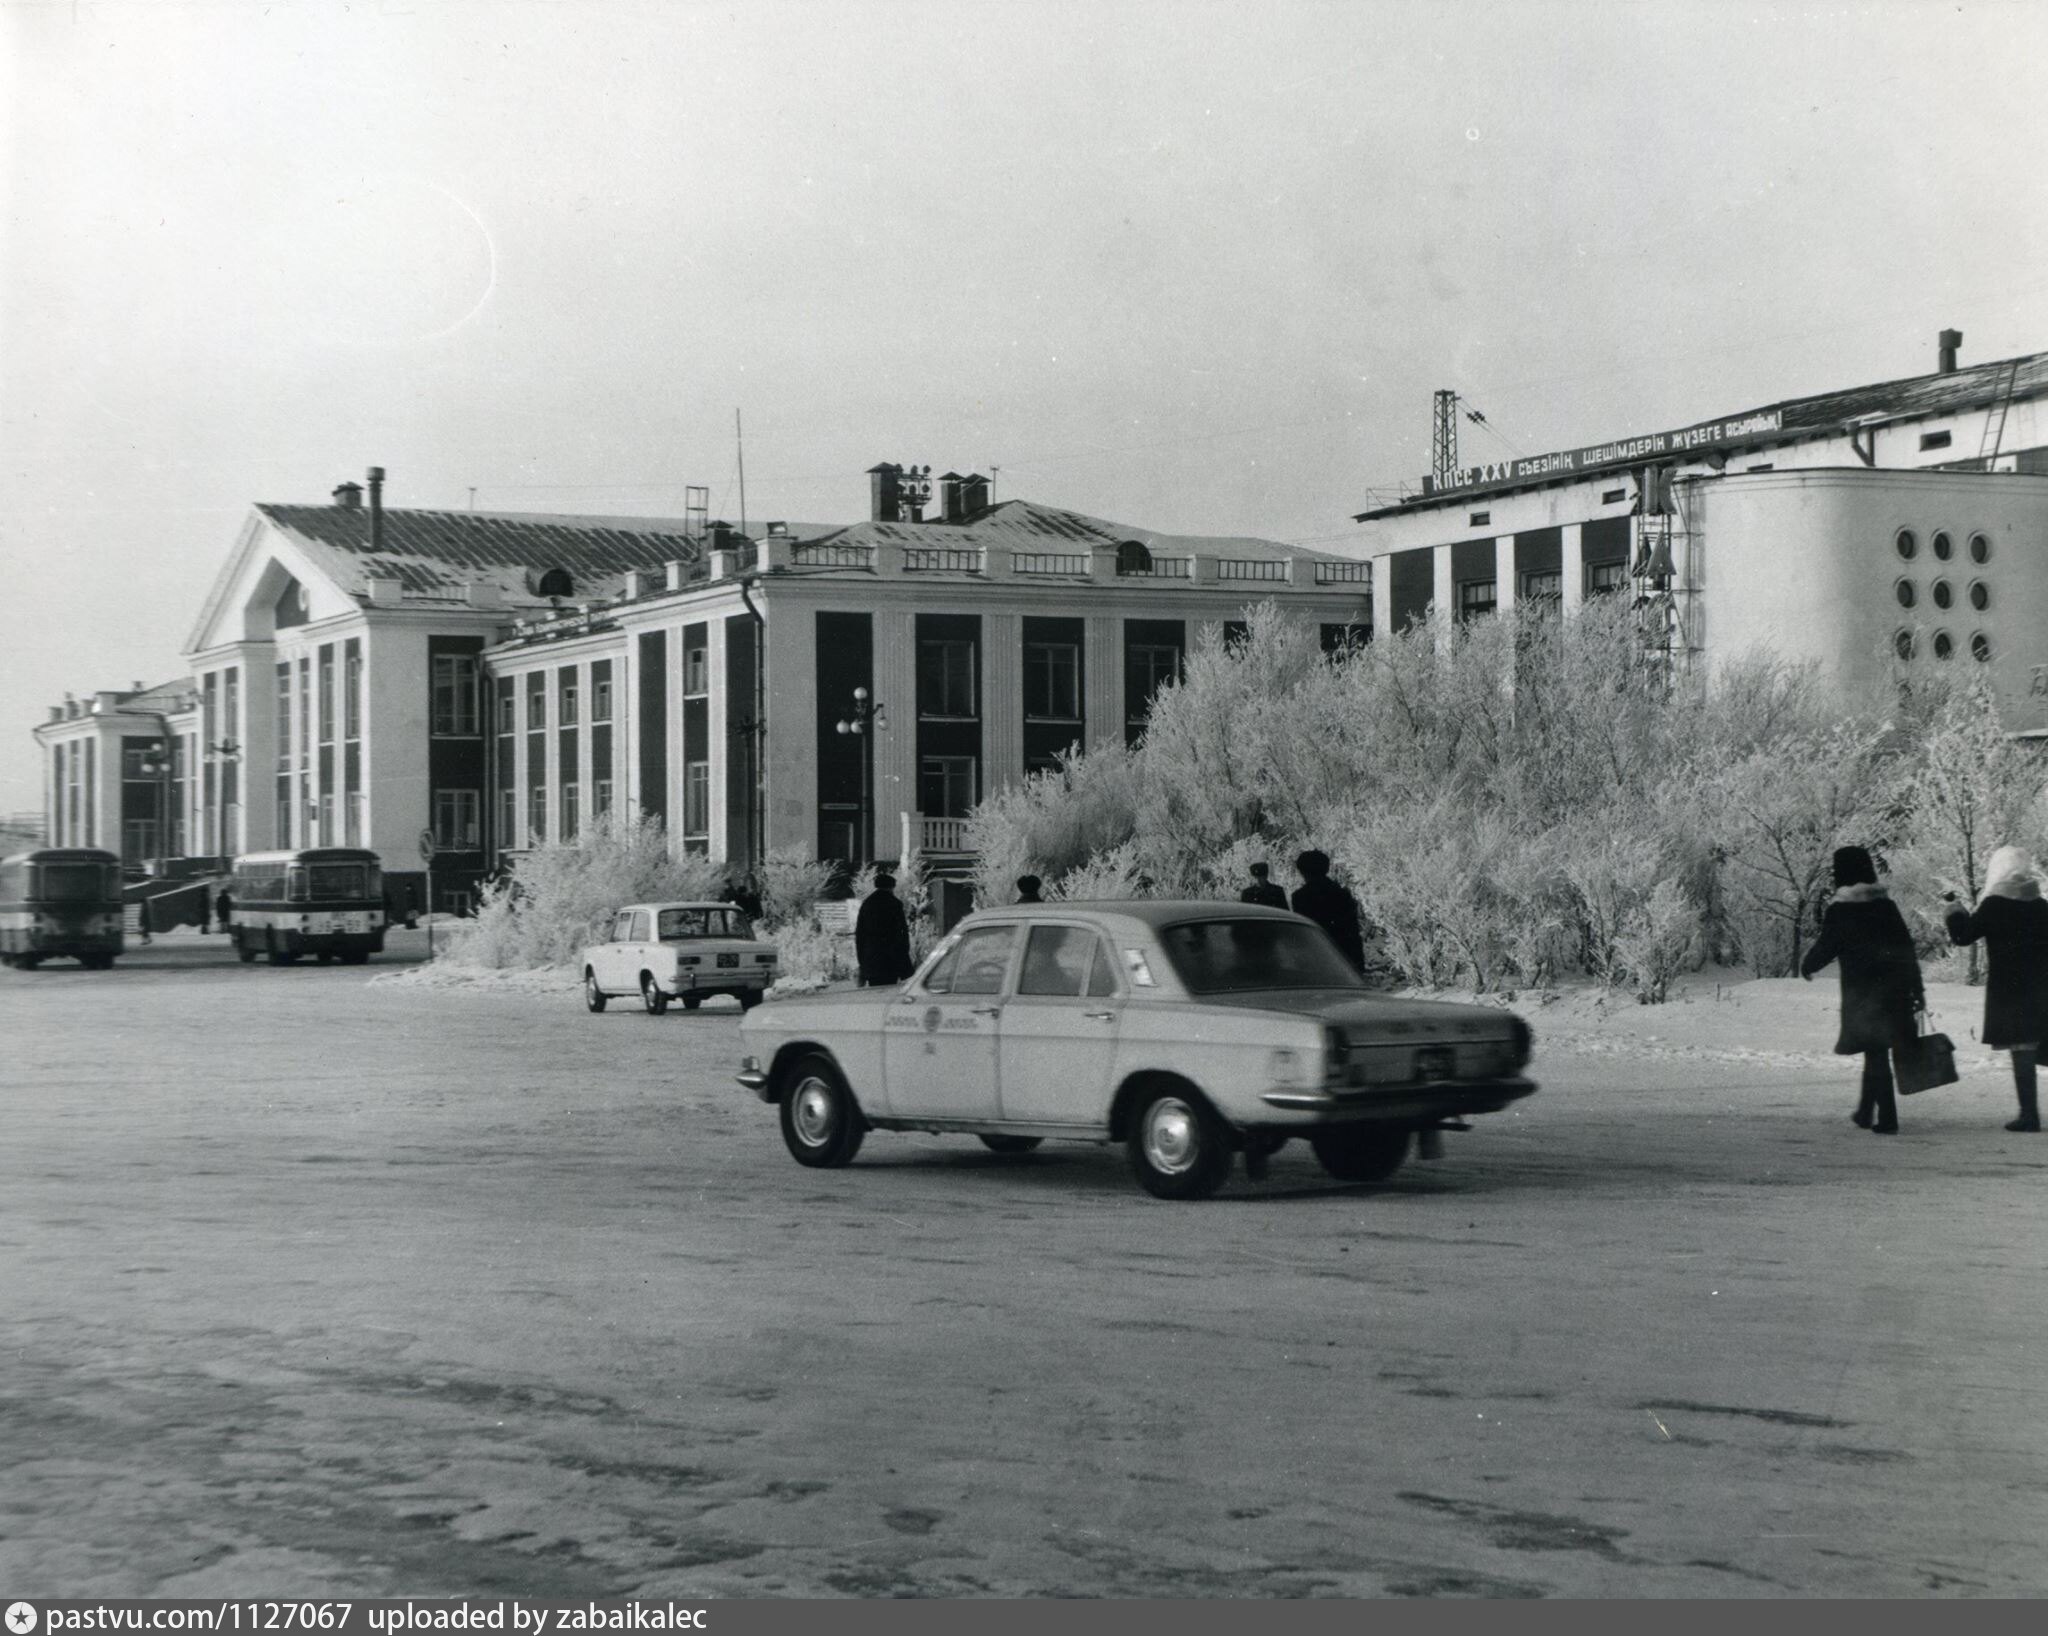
1908 518
362 674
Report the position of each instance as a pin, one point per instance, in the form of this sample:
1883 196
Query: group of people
1882 992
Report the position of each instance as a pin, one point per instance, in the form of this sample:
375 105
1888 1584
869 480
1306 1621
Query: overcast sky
1192 267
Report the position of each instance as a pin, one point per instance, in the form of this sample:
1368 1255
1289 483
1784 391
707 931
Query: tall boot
2024 1084
1877 1086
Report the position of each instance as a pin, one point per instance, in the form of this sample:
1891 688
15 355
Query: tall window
945 679
536 700
1147 669
697 798
327 835
456 820
284 724
946 786
352 693
601 696
603 802
508 818
508 706
572 815
696 670
570 699
1052 681
327 694
455 695
353 808
537 814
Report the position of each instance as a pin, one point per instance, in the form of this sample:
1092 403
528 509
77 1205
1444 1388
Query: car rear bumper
1404 1104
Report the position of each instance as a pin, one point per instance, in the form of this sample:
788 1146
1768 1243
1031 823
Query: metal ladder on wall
1994 420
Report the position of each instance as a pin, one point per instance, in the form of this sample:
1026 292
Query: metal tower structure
1443 440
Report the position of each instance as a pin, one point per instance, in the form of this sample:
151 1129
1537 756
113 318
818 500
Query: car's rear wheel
691 1001
821 1125
1011 1144
593 997
1178 1147
1361 1154
651 996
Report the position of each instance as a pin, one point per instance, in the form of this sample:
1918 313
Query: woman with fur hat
1881 987
2012 919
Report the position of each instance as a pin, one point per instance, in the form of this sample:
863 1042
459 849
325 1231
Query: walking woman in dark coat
1881 987
2012 919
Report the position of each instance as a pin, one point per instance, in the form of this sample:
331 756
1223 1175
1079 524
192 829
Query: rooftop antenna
739 438
472 497
1443 440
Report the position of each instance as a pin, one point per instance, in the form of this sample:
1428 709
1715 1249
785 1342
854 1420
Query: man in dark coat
1330 906
1262 890
224 907
1027 889
881 937
1881 987
746 897
2012 920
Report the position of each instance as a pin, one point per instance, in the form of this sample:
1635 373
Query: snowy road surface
321 1286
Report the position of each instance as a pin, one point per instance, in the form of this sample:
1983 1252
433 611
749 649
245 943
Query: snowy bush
561 896
791 886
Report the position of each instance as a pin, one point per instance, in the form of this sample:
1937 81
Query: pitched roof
1025 525
435 555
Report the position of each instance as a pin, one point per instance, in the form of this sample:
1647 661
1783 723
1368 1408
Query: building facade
1905 520
485 682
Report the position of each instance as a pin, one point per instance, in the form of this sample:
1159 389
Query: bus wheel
244 953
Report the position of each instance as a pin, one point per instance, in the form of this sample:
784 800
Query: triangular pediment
268 582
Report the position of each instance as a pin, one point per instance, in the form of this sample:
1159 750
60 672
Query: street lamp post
866 713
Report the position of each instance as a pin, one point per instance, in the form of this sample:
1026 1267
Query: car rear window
1230 956
678 924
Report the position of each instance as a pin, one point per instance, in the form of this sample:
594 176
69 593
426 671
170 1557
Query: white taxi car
678 951
1188 1031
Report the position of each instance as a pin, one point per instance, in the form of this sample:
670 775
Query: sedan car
678 951
1189 1032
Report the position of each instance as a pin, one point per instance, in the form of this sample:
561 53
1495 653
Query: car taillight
1525 1042
689 959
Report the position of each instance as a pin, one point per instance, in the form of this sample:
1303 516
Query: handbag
1927 1061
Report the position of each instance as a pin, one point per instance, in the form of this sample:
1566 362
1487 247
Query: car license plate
1435 1062
728 959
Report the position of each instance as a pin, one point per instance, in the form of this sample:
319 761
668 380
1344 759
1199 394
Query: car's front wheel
593 997
1178 1147
821 1125
651 995
1360 1154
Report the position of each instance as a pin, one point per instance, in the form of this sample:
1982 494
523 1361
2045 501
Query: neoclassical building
360 675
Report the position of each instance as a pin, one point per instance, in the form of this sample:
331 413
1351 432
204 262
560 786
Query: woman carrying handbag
1881 988
2012 919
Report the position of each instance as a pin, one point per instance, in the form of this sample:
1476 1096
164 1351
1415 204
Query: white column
1574 565
1103 679
895 746
1504 587
1382 598
1443 593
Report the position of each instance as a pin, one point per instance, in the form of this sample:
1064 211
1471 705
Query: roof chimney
949 497
349 496
973 495
1949 340
376 508
884 492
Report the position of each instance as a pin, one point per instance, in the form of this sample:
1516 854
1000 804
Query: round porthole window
1944 645
1980 548
1980 595
1904 645
1908 544
1980 648
1944 594
1906 594
1944 547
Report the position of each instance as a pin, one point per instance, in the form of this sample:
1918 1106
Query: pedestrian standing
223 906
142 919
205 910
1329 905
881 937
1881 988
2012 920
1262 890
1027 889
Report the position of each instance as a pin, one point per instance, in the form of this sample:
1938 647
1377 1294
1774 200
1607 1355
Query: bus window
72 883
334 880
295 884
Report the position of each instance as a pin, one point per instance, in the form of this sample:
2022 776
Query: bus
325 901
62 900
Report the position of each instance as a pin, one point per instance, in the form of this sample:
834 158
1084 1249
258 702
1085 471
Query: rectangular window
572 816
696 669
568 699
1476 598
537 814
284 724
1543 585
327 693
508 819
1604 578
1052 681
305 713
601 694
945 679
352 691
508 706
456 820
1147 668
536 701
455 695
1479 519
1928 440
327 834
696 798
354 809
946 786
603 802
